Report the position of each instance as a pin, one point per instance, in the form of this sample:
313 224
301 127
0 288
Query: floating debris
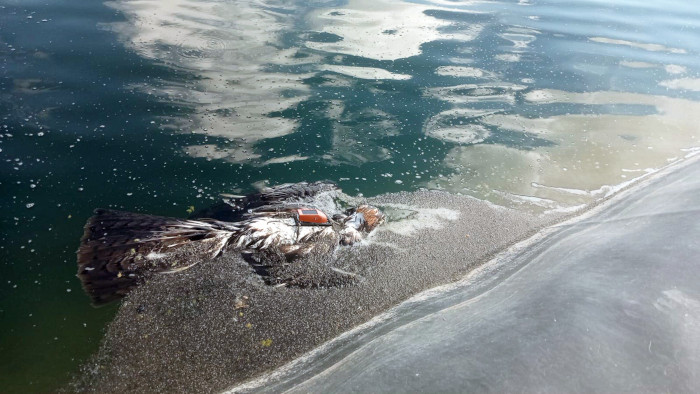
241 302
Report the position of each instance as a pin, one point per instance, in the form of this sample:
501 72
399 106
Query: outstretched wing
233 208
119 248
291 191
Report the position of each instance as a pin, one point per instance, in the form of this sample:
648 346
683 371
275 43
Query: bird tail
119 249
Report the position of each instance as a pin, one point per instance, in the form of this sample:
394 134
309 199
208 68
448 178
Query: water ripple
536 94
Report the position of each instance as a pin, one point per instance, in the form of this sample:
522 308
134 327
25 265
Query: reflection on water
589 155
640 45
682 84
228 48
382 30
491 88
256 62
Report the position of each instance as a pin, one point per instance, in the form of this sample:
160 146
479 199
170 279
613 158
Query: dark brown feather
118 249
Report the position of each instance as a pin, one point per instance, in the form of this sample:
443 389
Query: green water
155 106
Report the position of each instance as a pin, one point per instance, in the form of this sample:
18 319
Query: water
156 106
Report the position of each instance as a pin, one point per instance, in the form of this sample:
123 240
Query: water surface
157 106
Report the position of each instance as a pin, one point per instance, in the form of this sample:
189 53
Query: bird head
365 218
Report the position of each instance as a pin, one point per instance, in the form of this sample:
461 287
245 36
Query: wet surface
608 303
157 107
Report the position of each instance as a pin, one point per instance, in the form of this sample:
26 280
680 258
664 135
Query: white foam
578 192
691 151
465 134
372 73
418 219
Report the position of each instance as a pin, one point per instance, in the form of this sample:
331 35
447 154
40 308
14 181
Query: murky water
155 106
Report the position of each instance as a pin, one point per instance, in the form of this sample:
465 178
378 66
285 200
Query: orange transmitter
312 217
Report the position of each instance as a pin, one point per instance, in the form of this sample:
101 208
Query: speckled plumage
119 249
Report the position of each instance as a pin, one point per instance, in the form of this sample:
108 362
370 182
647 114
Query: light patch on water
461 60
508 57
364 72
672 69
337 80
471 93
588 157
465 134
460 71
639 45
452 3
675 69
523 124
285 159
631 64
407 220
682 84
539 96
211 152
520 38
457 125
382 29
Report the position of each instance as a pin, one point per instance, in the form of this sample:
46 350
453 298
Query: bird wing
289 191
233 208
119 248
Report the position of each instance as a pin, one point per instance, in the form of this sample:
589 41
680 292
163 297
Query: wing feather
119 248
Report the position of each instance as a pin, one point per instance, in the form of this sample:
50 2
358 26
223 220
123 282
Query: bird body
120 249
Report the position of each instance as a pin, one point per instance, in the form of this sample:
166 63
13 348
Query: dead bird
119 249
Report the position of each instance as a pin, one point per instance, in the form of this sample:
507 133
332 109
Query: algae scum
154 107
